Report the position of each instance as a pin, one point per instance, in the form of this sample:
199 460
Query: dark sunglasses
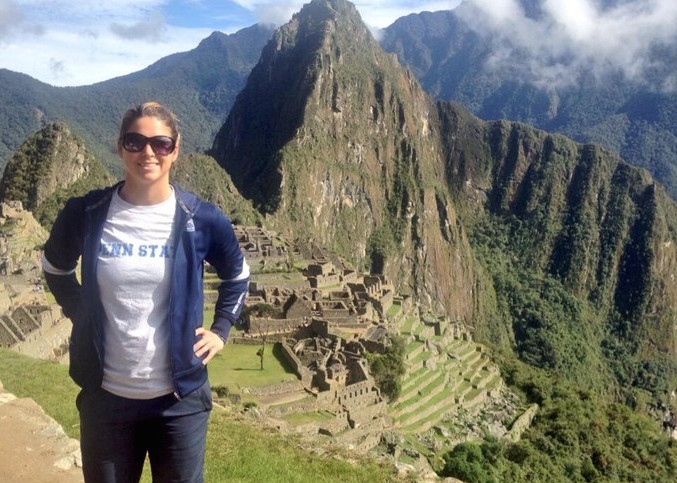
135 143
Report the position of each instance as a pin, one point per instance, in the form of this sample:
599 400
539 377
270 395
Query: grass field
237 366
238 450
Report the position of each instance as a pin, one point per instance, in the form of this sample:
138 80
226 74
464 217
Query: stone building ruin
336 376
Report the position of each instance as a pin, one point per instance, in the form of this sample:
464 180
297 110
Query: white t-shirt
134 277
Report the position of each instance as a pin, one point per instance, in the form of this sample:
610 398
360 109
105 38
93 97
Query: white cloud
381 14
87 42
574 36
376 14
72 58
13 22
151 28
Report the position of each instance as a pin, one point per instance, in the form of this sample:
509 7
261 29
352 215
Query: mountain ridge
453 59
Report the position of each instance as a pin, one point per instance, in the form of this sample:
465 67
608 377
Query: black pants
116 434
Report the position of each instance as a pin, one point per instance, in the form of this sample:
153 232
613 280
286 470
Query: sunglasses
135 143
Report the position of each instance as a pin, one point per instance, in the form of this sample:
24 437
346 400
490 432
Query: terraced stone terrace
445 373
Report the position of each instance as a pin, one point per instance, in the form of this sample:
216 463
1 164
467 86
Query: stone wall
320 281
349 276
305 405
24 320
334 426
304 374
271 326
348 393
320 268
9 333
365 414
276 389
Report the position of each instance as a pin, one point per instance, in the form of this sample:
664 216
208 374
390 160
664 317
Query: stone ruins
28 323
325 318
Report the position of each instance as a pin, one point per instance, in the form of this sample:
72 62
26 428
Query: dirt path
33 447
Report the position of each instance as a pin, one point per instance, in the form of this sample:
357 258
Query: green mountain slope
558 254
579 246
47 169
202 175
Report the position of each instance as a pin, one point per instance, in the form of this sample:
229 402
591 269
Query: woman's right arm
60 257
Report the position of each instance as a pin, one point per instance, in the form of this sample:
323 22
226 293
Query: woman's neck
146 195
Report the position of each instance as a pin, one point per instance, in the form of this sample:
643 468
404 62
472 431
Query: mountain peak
324 39
333 137
331 10
50 166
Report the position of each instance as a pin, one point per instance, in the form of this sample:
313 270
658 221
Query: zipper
177 239
90 246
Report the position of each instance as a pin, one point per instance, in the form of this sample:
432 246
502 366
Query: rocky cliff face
338 143
48 168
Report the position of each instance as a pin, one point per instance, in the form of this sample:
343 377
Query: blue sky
77 42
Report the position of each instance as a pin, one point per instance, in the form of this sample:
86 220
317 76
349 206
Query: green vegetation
553 329
202 175
298 419
576 436
50 167
380 247
388 368
570 264
636 120
46 382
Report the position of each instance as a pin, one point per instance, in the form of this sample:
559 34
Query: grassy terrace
423 386
412 347
493 382
418 396
413 419
424 390
423 356
478 364
473 393
237 449
277 277
408 324
394 309
465 352
432 418
414 380
456 344
298 419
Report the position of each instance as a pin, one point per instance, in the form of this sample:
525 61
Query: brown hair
150 109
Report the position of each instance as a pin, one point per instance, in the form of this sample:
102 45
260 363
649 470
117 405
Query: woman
138 349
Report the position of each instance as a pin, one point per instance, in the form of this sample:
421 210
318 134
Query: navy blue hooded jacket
201 233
